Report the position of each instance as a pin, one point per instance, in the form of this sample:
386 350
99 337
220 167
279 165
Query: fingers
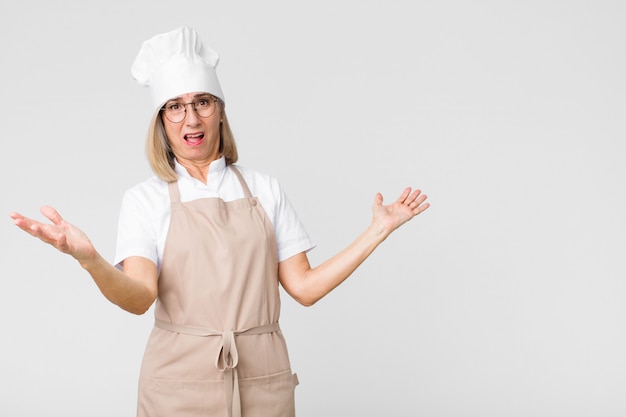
15 216
419 199
420 207
29 224
414 200
408 198
22 222
48 233
404 196
52 215
378 200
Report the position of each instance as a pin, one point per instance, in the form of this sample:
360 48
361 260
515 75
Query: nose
191 116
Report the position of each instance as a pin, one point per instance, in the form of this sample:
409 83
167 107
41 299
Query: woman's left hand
307 285
394 215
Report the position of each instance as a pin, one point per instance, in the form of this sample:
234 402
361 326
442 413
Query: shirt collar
214 176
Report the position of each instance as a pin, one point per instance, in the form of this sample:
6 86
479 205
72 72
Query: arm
308 285
134 290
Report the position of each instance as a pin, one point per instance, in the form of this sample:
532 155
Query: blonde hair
160 154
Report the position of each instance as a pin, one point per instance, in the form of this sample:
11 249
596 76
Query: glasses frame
194 103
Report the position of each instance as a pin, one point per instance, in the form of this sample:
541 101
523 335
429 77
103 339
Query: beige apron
216 348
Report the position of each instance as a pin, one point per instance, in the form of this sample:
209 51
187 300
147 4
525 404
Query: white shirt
145 211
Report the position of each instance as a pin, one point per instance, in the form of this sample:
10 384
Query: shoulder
147 193
259 181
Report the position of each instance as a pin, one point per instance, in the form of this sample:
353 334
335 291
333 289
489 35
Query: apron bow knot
227 357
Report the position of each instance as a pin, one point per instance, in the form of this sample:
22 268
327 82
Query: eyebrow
195 96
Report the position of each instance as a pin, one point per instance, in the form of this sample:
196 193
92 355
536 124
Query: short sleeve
136 235
291 235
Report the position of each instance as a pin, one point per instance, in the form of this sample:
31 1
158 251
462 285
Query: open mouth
194 138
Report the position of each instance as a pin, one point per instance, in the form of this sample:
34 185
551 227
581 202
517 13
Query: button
253 202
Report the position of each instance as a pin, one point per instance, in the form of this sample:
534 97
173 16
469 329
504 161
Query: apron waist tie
227 357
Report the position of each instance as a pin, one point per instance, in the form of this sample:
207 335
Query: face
195 139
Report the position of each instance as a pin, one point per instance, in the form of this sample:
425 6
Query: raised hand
60 234
392 216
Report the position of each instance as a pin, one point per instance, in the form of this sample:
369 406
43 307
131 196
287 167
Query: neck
198 169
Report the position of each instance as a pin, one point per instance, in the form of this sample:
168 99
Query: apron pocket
269 395
181 398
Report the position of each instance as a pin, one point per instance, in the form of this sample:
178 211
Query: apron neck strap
174 192
243 183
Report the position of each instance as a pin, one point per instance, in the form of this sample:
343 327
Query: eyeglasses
176 112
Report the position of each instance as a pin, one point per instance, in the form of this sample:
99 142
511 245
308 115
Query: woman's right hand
60 234
134 289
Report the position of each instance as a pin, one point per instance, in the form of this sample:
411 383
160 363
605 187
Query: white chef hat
176 63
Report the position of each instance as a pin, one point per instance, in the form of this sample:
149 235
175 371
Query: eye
203 102
174 107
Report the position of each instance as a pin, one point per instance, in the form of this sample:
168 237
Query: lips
194 138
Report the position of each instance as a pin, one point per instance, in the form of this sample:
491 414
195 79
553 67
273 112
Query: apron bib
216 348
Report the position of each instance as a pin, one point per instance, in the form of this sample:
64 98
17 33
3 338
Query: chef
210 242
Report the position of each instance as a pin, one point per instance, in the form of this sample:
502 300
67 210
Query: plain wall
505 298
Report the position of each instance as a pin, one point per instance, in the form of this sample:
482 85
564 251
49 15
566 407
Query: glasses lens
175 112
205 106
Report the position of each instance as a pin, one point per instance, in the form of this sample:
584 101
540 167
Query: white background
506 298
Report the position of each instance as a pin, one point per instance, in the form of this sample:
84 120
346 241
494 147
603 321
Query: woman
210 242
